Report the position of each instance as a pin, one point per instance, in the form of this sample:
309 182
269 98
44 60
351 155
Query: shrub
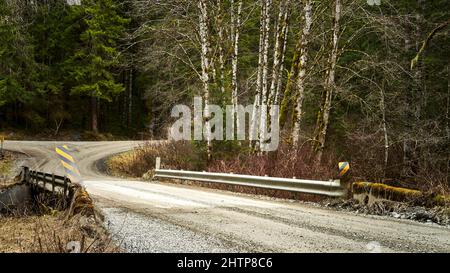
285 162
174 155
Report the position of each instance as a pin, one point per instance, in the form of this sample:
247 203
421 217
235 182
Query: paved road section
157 217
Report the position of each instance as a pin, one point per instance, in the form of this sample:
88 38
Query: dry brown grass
82 203
284 162
52 234
175 155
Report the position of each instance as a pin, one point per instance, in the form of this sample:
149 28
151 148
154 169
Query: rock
148 175
422 215
395 215
398 210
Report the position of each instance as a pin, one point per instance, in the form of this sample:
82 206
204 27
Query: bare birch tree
324 115
279 48
235 32
258 94
281 70
300 83
221 50
204 40
264 74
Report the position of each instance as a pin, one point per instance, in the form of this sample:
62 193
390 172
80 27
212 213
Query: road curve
156 217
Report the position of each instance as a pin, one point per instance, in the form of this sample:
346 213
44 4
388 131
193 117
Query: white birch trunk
235 31
300 84
253 134
261 51
279 49
221 48
204 40
385 132
329 83
258 94
264 91
281 71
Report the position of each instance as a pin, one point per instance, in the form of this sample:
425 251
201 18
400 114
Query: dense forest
366 81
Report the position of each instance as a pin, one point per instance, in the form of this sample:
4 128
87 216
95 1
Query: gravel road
157 217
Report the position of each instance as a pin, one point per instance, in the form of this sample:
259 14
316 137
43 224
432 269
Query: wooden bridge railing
47 181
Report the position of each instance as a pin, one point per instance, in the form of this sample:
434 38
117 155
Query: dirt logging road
157 217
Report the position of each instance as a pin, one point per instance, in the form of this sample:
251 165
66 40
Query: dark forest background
118 67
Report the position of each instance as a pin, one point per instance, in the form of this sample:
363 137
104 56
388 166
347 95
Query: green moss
383 191
5 166
387 192
442 200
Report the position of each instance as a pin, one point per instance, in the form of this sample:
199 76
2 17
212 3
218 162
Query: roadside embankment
37 221
397 202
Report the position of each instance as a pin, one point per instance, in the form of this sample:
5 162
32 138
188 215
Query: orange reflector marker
343 168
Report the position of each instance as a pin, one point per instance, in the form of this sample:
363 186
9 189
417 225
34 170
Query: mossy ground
398 194
5 166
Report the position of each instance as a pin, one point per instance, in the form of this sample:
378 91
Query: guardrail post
65 186
30 178
25 174
158 163
44 178
53 183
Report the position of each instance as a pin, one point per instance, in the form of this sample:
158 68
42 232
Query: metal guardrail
331 188
43 180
